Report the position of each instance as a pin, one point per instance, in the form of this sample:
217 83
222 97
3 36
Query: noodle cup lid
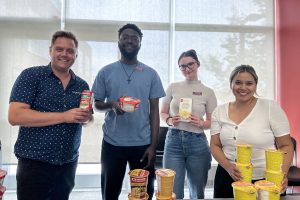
266 185
244 165
275 151
139 173
2 189
244 187
165 172
275 172
244 145
3 173
129 100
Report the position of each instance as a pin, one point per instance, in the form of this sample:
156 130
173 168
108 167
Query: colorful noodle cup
130 197
243 153
274 159
3 173
267 190
138 183
275 177
246 171
129 104
243 191
165 182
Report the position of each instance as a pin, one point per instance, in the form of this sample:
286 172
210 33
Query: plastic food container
138 183
267 190
165 182
274 159
243 153
275 177
246 171
129 104
243 191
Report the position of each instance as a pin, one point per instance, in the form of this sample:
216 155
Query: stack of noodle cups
138 183
3 173
243 161
165 183
274 161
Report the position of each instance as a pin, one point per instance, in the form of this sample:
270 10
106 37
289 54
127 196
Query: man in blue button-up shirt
45 102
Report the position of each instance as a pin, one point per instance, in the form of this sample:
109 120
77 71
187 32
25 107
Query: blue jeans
43 181
187 153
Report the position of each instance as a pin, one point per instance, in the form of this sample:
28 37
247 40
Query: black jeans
113 167
43 181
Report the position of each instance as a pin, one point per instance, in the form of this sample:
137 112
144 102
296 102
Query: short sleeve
278 120
215 126
168 98
25 86
98 87
211 103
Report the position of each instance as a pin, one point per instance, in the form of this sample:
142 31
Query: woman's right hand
175 120
234 172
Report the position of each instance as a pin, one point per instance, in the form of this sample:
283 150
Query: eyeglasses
189 66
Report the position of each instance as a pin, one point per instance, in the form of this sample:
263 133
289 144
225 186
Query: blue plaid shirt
44 92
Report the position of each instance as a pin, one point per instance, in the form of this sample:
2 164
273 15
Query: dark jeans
113 167
43 181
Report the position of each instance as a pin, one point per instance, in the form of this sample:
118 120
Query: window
225 33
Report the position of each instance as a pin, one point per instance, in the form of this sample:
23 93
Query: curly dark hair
133 27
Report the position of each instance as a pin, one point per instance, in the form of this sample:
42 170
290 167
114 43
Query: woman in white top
247 120
186 147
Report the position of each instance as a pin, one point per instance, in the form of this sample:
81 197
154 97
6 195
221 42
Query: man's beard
129 55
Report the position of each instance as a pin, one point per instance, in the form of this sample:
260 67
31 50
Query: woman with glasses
186 147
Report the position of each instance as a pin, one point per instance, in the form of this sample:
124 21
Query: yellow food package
185 109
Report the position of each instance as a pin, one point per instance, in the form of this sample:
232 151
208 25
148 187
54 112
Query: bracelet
167 121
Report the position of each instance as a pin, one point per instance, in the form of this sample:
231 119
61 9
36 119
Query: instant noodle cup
267 190
3 173
274 159
275 177
243 153
243 190
2 190
130 197
165 182
246 171
129 104
173 197
138 183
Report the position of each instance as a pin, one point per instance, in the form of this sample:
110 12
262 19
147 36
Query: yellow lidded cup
243 153
246 171
275 177
274 159
243 191
165 182
267 190
138 183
